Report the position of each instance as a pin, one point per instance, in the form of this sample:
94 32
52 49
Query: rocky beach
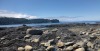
62 37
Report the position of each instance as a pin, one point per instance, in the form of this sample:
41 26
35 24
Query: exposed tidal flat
53 37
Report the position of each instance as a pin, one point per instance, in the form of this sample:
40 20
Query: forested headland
6 20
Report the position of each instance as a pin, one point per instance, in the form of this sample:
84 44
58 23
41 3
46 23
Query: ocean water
44 24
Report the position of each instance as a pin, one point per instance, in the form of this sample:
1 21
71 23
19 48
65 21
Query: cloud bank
5 13
66 18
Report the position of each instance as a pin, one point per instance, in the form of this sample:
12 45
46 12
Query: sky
64 10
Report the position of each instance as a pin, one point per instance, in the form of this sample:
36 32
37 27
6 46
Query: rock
28 48
80 49
69 43
2 38
52 42
99 49
81 43
46 37
20 48
92 37
46 44
70 48
34 32
50 48
75 46
54 31
58 37
60 44
22 28
91 45
28 40
82 33
92 29
35 40
27 36
87 33
46 32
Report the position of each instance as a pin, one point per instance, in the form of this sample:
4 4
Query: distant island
6 21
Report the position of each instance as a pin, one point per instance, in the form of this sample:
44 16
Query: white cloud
5 13
66 18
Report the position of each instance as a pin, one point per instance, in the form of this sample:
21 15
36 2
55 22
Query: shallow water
43 24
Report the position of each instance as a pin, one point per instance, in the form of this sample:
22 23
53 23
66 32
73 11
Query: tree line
5 21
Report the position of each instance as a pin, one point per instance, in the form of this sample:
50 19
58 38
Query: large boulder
34 32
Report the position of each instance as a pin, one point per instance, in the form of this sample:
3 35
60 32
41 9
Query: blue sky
64 10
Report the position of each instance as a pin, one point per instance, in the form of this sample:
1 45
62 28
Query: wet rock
34 32
22 28
46 37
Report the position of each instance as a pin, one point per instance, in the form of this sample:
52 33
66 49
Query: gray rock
34 32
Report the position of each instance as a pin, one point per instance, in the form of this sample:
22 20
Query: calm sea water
42 24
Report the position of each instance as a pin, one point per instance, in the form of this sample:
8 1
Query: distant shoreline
48 24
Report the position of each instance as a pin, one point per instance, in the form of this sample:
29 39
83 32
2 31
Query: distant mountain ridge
6 21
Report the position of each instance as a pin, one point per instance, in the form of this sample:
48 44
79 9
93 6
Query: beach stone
52 42
50 48
92 37
58 37
35 40
28 48
99 49
82 33
80 49
34 32
22 28
20 48
46 44
69 43
60 43
27 36
54 31
81 43
75 46
46 32
46 37
28 40
69 48
89 44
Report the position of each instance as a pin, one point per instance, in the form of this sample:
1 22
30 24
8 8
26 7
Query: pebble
80 49
28 48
